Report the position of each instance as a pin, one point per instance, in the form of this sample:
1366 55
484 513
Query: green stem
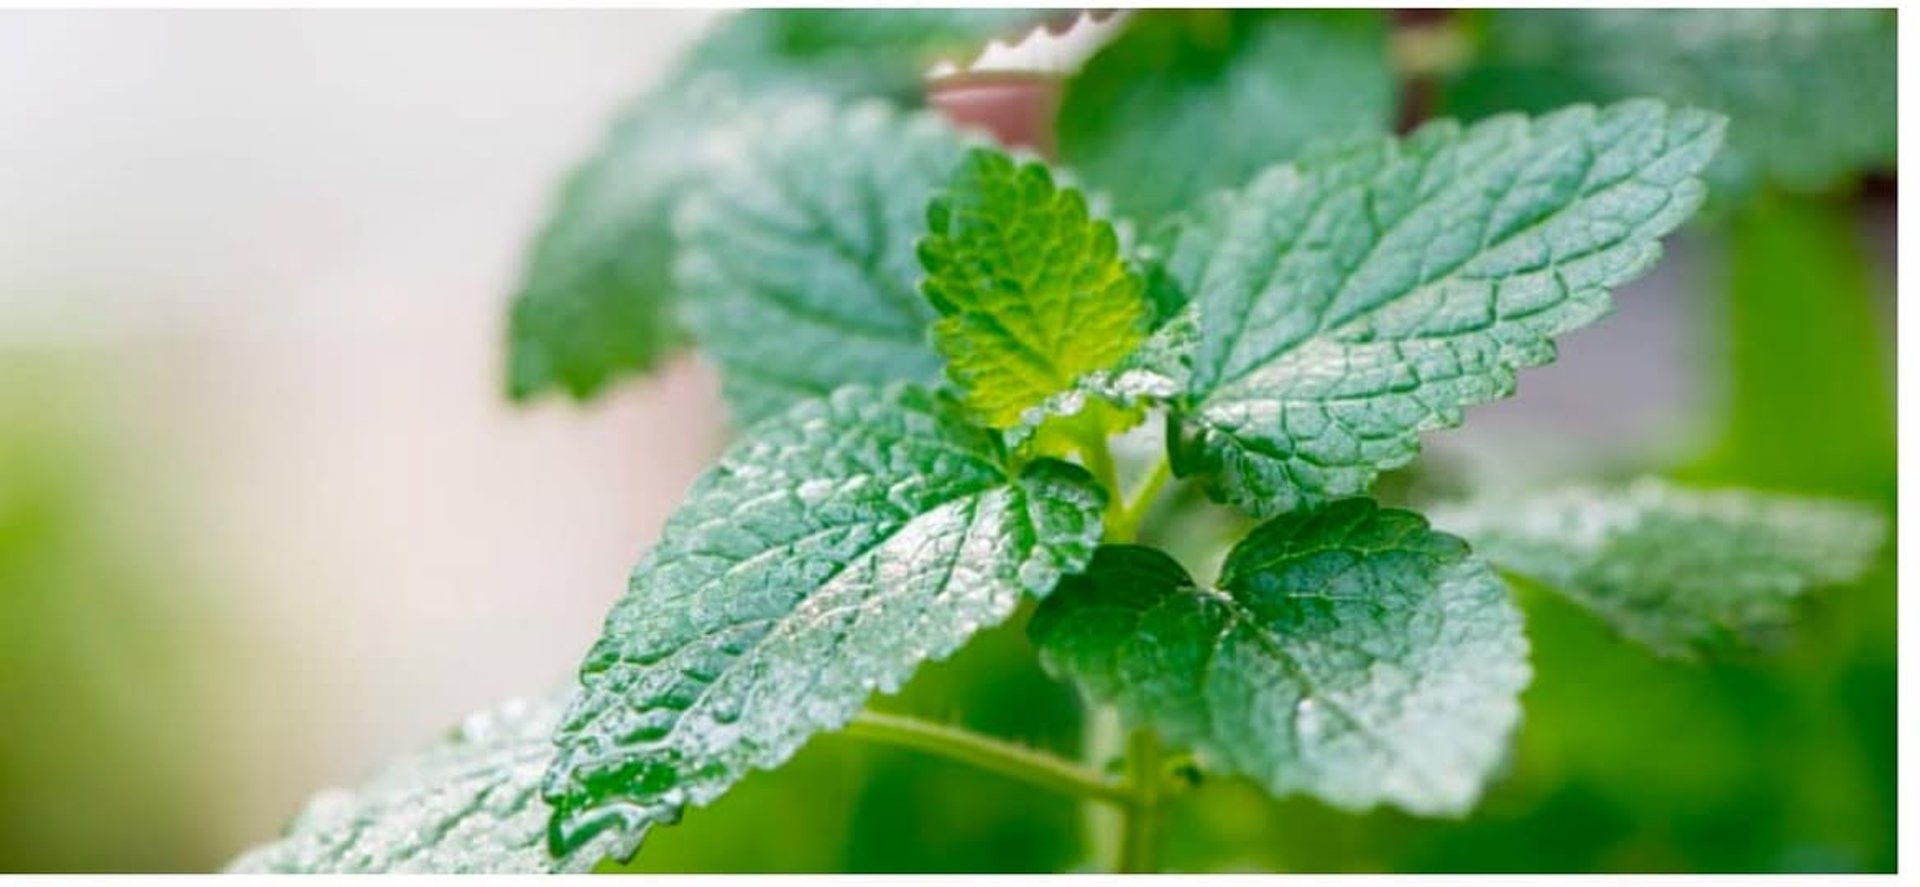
988 753
1140 823
1135 511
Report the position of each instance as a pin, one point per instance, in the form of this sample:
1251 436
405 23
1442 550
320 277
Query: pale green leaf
1684 572
1351 301
1349 653
1188 101
797 260
1809 93
834 549
1032 290
470 804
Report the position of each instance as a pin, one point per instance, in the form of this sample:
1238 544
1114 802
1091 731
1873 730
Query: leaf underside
830 552
470 804
1353 300
1349 653
1684 572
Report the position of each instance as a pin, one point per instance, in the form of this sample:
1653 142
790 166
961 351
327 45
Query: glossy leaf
1684 572
1349 653
1354 300
1189 101
470 804
1031 289
1810 92
798 261
597 300
834 549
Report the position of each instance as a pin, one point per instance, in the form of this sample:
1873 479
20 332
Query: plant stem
988 753
1135 511
1140 822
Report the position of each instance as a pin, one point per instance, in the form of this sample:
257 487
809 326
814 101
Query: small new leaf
1685 572
1031 290
833 550
797 260
470 804
1354 300
1188 101
1350 653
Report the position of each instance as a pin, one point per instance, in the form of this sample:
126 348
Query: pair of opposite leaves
855 536
1333 309
1340 306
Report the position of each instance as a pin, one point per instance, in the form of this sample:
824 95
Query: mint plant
968 383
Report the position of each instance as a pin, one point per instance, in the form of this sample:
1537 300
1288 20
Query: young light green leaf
1188 101
831 551
797 261
1350 302
1350 653
597 298
1685 572
1032 291
470 804
1810 92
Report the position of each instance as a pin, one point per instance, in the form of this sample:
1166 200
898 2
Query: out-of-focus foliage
597 299
1685 572
1810 92
100 768
1189 101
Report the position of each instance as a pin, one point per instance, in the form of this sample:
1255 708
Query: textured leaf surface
1188 101
597 298
1350 302
1349 652
1810 93
470 804
1032 291
798 261
831 551
1682 571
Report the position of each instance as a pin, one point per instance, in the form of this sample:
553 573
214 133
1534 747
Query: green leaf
1350 653
1810 92
1185 102
830 552
798 261
1354 300
1685 572
594 300
597 299
1032 291
470 804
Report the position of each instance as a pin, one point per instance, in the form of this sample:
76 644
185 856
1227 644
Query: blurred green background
144 715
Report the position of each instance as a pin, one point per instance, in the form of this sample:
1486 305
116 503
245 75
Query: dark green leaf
830 552
1189 101
597 300
1031 290
1350 653
468 805
1810 93
797 260
1682 571
1350 302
